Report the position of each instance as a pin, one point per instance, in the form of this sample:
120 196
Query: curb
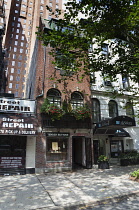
93 203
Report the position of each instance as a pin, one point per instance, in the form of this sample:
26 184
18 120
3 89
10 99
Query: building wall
30 152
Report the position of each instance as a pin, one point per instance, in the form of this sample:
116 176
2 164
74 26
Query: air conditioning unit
108 83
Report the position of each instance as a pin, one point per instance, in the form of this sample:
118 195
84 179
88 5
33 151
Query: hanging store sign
17 105
55 134
18 125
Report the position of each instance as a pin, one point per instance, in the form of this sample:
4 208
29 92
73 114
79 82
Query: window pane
113 111
96 111
129 110
57 149
76 100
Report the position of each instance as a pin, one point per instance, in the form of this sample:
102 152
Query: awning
114 126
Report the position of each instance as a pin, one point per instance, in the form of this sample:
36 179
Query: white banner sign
17 105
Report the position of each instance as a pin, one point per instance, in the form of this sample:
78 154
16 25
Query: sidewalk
64 190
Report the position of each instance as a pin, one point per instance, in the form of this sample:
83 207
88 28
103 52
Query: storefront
18 131
110 137
63 151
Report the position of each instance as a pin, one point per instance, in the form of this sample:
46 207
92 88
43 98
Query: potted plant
81 113
103 162
53 110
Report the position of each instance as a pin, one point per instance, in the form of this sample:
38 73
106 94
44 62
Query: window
18 71
20 57
16 36
57 149
22 37
13 63
96 110
16 11
11 77
21 50
41 7
54 96
107 80
16 94
16 86
76 100
12 70
17 31
23 5
125 82
15 49
23 12
17 78
19 64
10 85
14 56
104 49
18 25
16 42
129 110
113 108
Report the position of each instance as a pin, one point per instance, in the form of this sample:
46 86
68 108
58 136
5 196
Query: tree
80 41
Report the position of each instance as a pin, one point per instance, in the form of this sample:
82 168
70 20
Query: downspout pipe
44 59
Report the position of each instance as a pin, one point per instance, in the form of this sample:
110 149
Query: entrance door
77 145
95 150
116 148
88 151
81 153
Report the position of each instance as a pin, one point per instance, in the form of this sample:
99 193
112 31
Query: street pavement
69 190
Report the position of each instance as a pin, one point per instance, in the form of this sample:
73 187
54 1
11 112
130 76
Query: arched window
96 110
129 110
113 108
76 99
54 96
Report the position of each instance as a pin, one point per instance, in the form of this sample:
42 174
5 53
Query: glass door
116 148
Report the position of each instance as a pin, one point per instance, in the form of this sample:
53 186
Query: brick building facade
65 143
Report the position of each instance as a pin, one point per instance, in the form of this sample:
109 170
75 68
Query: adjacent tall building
2 52
22 19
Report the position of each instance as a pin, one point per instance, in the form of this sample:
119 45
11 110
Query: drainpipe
44 59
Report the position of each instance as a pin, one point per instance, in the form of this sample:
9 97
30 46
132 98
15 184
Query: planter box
103 165
124 162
